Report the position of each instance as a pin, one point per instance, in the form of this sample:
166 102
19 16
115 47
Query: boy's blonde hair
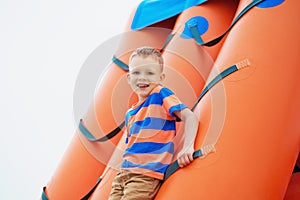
148 51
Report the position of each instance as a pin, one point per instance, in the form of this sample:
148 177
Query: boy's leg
117 188
140 187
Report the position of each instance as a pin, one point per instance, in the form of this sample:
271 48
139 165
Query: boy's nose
142 76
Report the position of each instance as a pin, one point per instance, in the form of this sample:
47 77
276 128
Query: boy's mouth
142 85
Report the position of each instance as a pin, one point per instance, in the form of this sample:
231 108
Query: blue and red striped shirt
151 127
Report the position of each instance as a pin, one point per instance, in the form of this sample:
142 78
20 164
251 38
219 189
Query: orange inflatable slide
236 65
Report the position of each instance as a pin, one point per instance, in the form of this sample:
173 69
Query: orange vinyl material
255 110
252 115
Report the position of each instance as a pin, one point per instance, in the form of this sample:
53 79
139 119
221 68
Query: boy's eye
150 73
135 72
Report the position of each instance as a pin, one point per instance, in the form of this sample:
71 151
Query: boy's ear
162 76
128 77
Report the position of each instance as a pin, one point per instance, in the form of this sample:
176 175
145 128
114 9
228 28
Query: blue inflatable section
153 11
270 3
199 22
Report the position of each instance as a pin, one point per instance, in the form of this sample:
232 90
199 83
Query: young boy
150 128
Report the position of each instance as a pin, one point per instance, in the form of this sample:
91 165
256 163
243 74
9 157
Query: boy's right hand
185 157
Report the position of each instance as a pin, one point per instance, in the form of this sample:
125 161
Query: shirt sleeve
171 102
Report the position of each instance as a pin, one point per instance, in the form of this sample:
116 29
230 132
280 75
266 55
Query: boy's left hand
185 157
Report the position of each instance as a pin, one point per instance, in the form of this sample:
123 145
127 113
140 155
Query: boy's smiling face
145 73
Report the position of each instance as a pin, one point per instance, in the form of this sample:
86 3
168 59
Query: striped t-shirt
151 127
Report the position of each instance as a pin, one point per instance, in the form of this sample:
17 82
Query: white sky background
43 45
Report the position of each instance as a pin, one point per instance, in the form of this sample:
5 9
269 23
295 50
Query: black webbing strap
44 196
175 166
213 82
242 13
195 32
92 138
168 40
88 195
120 63
125 67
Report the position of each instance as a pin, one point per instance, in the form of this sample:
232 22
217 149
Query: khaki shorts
131 186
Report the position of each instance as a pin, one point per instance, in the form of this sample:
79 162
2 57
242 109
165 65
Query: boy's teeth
142 85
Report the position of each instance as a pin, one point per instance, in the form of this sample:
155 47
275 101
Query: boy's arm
191 122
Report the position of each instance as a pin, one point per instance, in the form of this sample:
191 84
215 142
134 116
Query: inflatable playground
236 65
